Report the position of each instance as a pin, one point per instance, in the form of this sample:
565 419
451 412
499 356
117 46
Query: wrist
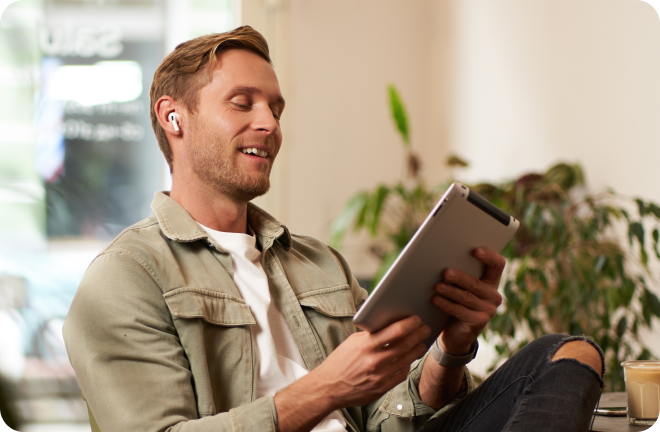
329 389
321 392
457 350
447 359
302 405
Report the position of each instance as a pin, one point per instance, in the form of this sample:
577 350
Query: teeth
255 151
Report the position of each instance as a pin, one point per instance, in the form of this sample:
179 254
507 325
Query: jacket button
399 407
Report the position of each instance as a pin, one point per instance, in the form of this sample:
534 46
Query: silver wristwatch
445 359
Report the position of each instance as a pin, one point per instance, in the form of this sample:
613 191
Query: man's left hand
470 301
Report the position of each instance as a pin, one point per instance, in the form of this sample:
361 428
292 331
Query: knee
543 345
582 351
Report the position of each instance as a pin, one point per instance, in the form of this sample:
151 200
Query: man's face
235 135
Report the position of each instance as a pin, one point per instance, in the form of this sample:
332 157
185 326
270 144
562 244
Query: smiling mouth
255 151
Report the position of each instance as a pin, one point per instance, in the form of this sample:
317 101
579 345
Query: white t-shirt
279 359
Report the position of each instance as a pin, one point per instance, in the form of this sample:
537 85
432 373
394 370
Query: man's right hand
358 371
366 365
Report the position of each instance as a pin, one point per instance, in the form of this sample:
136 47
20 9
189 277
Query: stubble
215 162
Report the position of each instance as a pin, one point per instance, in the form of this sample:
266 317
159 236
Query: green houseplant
571 268
390 213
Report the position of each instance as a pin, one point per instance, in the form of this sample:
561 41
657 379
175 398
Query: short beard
212 163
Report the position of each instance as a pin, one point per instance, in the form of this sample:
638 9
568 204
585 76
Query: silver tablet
460 222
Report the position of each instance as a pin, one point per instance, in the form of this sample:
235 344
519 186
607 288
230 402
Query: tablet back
459 223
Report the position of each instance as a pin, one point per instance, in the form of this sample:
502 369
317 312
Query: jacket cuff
259 415
404 400
467 386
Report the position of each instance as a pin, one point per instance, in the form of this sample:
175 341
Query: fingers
477 296
404 361
460 296
366 365
484 287
465 305
398 344
461 312
397 371
396 331
494 265
469 299
398 363
408 344
473 290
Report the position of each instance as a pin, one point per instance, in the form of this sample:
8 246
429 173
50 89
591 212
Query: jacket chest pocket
214 331
330 311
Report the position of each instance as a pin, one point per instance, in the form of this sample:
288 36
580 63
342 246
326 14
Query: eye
277 109
241 102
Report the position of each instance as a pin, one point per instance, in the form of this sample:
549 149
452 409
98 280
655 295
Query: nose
265 121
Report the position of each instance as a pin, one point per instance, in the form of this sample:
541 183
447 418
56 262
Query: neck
210 207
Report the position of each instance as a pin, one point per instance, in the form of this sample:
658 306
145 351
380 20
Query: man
210 315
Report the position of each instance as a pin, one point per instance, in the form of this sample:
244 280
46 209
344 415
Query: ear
163 108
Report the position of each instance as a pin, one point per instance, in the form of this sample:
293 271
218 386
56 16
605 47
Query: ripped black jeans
529 393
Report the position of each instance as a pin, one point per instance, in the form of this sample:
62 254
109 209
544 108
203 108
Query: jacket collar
177 224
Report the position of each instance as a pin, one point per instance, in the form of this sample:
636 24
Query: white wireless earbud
173 117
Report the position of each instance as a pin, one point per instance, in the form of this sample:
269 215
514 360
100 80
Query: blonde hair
183 72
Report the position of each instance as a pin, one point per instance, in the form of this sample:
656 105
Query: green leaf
641 207
495 324
565 176
536 300
656 240
399 114
621 327
646 313
645 355
612 298
625 214
654 209
528 216
635 229
355 206
604 343
644 256
576 328
508 327
401 238
626 293
375 208
652 302
543 278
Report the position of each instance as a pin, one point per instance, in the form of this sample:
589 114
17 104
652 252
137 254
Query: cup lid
641 364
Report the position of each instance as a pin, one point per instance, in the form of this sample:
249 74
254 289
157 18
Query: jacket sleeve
128 359
401 409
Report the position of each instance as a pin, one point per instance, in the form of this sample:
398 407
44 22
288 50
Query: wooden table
614 424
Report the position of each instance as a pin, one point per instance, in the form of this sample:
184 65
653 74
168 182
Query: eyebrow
253 90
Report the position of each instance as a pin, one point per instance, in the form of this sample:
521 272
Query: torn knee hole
581 351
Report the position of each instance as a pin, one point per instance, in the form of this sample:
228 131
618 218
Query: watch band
449 360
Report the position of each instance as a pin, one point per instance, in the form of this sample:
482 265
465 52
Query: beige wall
548 80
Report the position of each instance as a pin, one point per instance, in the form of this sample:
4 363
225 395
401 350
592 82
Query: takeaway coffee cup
643 389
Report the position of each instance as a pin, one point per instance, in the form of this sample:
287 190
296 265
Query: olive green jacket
160 337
